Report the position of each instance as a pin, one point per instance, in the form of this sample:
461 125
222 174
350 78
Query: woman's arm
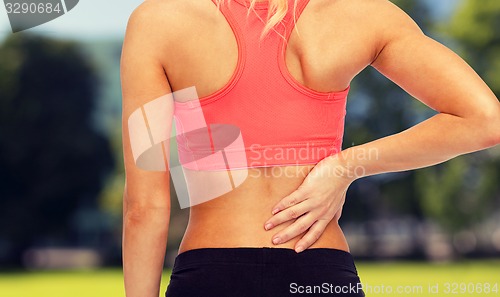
146 198
468 121
469 112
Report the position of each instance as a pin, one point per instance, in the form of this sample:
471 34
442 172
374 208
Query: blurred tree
52 160
476 29
465 190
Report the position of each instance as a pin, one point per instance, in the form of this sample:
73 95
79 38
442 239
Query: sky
88 20
98 19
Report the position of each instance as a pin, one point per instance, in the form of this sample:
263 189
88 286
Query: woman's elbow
144 214
494 139
140 213
490 128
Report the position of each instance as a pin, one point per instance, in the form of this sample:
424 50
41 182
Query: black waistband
265 256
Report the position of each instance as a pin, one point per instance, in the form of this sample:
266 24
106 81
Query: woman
278 234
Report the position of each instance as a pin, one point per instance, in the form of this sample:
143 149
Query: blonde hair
276 12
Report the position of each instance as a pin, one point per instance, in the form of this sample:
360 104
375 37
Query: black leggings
263 272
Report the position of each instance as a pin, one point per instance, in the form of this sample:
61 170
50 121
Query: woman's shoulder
378 13
153 9
165 11
169 19
368 22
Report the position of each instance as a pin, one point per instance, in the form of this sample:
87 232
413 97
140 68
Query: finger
286 215
295 197
295 229
312 235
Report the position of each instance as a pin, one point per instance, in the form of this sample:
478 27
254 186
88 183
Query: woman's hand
317 201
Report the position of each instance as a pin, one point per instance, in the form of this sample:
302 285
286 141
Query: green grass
382 277
454 279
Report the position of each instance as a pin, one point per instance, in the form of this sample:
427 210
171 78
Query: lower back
236 219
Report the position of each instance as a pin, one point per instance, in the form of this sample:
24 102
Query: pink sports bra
262 116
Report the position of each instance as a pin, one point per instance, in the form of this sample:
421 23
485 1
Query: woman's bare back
334 42
176 44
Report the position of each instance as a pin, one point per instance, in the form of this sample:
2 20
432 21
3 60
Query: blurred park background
61 172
